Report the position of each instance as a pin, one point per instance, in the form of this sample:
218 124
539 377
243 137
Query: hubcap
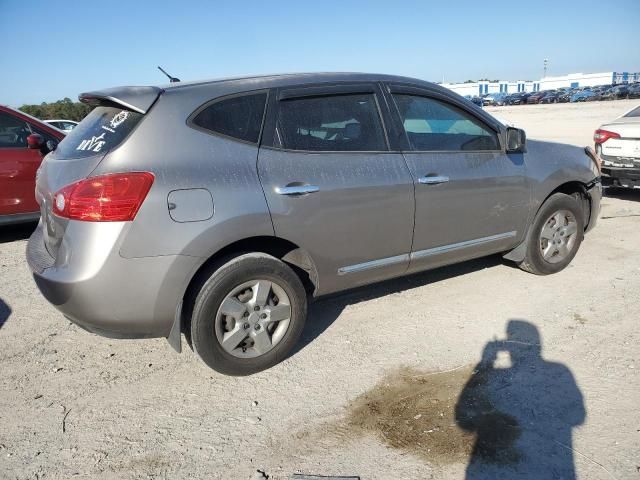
558 236
253 318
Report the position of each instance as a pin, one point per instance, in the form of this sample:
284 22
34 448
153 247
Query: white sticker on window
118 118
94 145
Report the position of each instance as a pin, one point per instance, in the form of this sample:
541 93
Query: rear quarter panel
181 157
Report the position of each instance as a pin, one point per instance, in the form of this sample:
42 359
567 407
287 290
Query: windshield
102 130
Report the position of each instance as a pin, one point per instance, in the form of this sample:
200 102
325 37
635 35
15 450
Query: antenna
171 79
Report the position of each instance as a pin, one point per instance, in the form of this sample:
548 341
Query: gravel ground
379 385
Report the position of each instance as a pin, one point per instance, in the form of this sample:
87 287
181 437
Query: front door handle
433 179
296 190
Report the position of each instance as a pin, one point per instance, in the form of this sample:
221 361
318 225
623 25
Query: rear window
102 130
634 113
238 117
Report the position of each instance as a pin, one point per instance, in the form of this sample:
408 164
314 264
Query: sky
51 50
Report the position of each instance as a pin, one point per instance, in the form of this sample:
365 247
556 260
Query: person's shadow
5 312
522 414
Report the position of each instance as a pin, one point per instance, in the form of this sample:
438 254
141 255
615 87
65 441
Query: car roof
140 98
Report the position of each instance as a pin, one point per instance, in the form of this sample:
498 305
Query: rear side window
333 123
100 131
238 117
633 113
432 125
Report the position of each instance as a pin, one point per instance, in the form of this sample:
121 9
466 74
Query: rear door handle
433 180
296 190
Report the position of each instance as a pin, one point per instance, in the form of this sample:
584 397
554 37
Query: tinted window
237 117
103 129
13 131
634 113
333 123
433 125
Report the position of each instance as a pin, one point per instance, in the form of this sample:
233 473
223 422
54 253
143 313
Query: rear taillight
601 136
105 198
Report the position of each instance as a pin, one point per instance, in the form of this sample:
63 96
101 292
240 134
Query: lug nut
245 314
257 326
263 315
256 308
246 326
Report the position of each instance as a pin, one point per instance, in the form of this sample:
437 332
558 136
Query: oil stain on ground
430 416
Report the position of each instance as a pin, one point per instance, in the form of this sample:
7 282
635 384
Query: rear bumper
621 177
117 298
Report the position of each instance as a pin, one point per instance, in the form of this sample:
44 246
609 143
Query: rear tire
555 235
248 315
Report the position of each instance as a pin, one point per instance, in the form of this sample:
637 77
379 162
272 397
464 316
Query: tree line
65 109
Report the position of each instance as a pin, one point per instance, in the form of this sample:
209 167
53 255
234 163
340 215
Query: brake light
601 136
105 198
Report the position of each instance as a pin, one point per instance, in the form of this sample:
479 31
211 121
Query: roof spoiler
137 99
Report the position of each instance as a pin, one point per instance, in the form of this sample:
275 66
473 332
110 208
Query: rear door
18 166
332 185
471 197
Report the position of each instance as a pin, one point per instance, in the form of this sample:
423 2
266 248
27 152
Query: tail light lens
601 136
105 198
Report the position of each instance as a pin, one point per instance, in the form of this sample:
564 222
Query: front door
18 165
471 197
333 187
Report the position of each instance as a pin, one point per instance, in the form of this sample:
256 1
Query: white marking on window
94 145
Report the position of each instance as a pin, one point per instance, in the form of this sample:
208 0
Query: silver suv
218 208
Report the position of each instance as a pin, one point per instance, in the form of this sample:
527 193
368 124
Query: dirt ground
477 368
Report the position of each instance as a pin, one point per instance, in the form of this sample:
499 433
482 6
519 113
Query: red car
24 140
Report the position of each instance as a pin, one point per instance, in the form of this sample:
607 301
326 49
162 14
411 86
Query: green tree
65 109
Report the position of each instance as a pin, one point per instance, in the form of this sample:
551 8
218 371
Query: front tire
555 235
248 315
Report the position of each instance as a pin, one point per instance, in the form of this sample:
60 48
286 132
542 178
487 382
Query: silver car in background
216 209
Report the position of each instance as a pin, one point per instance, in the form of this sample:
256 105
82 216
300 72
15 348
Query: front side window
337 123
13 131
238 117
432 125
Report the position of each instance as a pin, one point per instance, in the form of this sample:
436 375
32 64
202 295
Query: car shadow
622 193
12 233
5 312
326 310
521 409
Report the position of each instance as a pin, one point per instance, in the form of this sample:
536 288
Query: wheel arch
290 253
574 188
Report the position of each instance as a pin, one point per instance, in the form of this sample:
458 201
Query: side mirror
516 140
35 141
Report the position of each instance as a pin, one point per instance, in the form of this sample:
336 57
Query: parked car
514 99
475 100
566 95
618 144
535 97
582 96
634 91
494 99
64 125
23 141
549 97
222 209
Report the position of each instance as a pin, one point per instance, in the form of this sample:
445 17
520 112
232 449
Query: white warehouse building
547 83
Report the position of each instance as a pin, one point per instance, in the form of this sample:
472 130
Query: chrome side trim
457 246
383 262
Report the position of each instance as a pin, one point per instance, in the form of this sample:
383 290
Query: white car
618 144
61 124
